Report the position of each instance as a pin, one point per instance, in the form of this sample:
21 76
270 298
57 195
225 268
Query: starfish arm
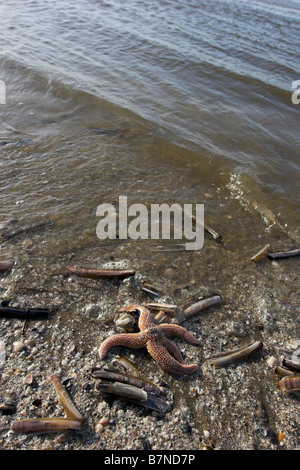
168 363
173 349
176 330
132 340
145 319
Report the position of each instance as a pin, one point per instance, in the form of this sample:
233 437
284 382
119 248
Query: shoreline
235 407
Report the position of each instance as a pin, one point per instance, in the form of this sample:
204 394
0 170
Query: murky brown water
200 93
217 128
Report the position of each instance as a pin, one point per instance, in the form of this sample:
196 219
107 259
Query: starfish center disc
153 333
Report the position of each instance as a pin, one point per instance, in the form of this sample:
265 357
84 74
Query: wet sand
236 407
160 114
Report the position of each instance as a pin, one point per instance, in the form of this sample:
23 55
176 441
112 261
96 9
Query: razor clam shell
202 304
284 254
98 273
150 292
125 378
293 366
45 425
235 355
6 265
153 288
130 392
195 308
64 399
170 247
8 408
160 316
209 230
260 253
164 307
156 404
290 384
129 366
212 232
136 395
283 371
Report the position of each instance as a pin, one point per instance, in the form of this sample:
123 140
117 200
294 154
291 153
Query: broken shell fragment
28 380
169 247
273 362
285 367
126 322
165 312
212 232
235 355
150 292
160 316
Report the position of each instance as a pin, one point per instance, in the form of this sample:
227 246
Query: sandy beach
152 103
239 406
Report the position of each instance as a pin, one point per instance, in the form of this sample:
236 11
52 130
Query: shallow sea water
174 103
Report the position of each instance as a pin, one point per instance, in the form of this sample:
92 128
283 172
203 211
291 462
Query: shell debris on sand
73 420
216 407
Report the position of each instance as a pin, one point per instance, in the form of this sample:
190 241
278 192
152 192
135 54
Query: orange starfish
154 337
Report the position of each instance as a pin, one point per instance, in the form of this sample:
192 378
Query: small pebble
19 346
91 310
171 273
99 428
104 421
29 342
186 427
